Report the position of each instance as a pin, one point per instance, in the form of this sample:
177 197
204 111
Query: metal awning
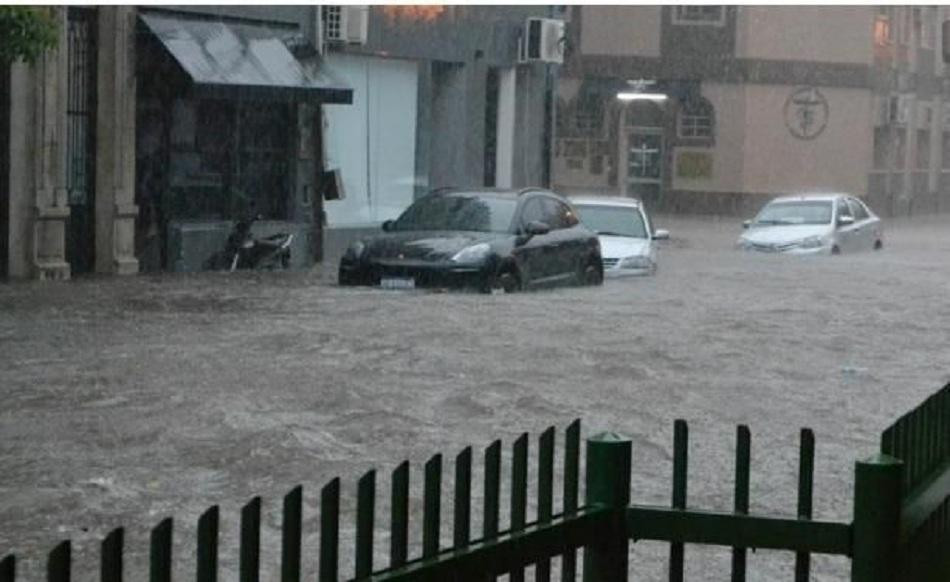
229 58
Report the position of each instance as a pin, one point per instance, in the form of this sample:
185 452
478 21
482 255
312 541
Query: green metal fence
893 536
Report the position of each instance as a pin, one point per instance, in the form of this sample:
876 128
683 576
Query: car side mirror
661 234
746 223
536 227
387 225
845 220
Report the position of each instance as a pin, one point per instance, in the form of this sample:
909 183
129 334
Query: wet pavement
127 400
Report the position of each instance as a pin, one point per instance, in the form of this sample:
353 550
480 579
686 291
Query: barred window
699 15
696 120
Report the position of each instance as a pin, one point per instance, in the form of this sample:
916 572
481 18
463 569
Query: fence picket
492 490
806 483
207 552
8 569
110 563
160 555
365 518
463 498
519 493
545 493
572 453
292 534
330 531
59 564
741 500
432 506
399 511
250 560
680 457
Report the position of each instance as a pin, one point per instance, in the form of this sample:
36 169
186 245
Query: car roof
495 192
605 201
810 197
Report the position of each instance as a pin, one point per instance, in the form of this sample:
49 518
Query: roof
606 201
817 196
228 56
498 192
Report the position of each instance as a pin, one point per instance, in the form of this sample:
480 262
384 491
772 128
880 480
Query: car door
566 247
531 251
864 227
847 234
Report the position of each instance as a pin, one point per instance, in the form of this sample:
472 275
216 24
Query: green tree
25 32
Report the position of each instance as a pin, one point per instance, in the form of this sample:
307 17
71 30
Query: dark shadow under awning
232 59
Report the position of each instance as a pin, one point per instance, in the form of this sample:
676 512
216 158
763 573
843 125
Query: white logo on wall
806 113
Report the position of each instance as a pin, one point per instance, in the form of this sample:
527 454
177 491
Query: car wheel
593 274
508 281
878 245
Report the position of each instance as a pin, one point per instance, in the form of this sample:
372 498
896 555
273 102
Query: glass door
643 165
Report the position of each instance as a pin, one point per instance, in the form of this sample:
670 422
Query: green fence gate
899 531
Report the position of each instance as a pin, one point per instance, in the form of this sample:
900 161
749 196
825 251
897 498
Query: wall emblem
806 113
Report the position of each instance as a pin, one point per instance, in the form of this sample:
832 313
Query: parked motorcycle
243 251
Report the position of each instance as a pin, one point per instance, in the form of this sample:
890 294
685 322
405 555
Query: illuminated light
424 13
641 96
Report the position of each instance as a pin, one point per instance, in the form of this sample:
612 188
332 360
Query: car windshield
803 212
458 212
613 220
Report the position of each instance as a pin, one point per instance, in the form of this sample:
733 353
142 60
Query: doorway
642 164
81 140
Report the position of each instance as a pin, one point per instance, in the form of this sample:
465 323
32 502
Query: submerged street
127 400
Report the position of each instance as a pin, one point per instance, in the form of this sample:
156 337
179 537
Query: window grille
701 15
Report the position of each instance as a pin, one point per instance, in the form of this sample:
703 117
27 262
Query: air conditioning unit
345 24
543 41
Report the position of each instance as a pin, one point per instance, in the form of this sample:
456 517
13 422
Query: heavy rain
246 248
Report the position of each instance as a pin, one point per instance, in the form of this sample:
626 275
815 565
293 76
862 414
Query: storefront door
642 164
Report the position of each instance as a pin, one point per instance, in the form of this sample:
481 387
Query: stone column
51 208
115 147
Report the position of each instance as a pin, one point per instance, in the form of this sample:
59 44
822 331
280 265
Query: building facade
760 101
135 143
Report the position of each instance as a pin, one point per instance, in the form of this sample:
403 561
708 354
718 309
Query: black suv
485 239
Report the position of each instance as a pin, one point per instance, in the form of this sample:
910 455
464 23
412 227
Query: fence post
608 484
876 528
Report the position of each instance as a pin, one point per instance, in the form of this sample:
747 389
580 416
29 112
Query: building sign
806 113
694 165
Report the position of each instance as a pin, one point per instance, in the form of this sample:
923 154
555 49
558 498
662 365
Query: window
923 149
883 34
699 15
696 119
858 209
843 209
533 211
557 214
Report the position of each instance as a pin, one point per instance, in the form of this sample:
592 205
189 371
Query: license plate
397 283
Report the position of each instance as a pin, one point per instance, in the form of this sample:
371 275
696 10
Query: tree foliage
25 32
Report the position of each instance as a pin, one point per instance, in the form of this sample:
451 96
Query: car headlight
472 254
635 262
355 250
813 242
743 244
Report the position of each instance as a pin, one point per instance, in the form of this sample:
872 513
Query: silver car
627 238
813 224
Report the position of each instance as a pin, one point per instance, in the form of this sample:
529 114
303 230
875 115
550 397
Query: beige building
68 132
760 101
